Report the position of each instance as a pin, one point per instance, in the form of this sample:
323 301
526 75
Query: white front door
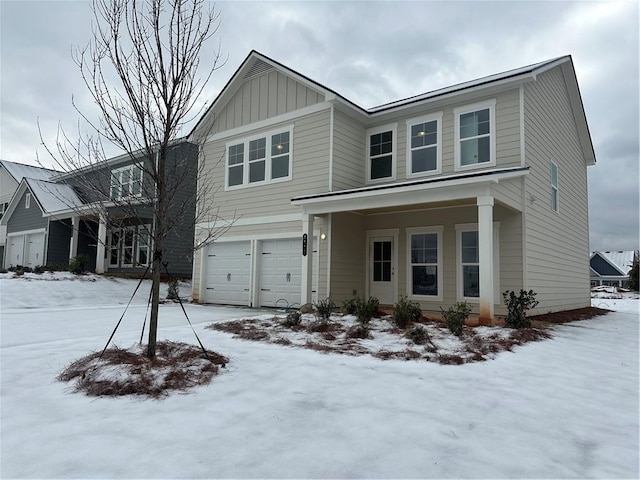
382 269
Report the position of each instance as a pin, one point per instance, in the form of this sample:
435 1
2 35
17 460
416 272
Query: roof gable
604 267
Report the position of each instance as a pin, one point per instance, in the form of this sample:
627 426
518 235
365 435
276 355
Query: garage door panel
228 273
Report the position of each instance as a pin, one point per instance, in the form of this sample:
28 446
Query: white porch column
307 260
485 247
102 242
73 247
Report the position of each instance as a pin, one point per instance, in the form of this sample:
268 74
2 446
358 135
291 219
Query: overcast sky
372 53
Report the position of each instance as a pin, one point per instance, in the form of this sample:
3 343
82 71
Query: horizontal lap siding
24 219
557 244
348 152
348 247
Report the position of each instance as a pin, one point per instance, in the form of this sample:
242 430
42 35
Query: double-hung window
424 145
258 160
130 246
475 137
554 187
126 182
424 272
3 208
468 261
381 153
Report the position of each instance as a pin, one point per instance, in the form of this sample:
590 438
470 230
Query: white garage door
228 273
281 272
15 250
34 249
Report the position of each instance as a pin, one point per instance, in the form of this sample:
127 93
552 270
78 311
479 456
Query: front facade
458 194
611 269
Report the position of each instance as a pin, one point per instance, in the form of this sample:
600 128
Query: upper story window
475 137
381 151
126 182
259 159
424 145
3 208
27 200
554 187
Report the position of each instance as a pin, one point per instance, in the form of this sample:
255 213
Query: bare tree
142 69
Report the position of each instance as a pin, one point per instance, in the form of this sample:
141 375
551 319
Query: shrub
39 269
306 308
406 312
417 334
349 306
293 319
634 278
173 290
455 317
365 309
358 331
517 308
325 308
78 264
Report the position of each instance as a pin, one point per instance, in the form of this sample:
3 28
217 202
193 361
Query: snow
562 408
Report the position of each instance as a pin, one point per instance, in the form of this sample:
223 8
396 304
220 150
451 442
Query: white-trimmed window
424 268
126 182
424 145
260 159
554 187
3 208
27 200
129 247
468 262
381 153
475 137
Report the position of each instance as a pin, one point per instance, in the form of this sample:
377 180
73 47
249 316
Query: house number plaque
304 244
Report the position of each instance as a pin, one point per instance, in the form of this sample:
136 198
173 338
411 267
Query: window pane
386 251
468 127
425 280
471 281
474 151
280 167
236 154
469 247
377 271
554 199
554 175
381 143
256 171
381 167
424 160
235 175
482 119
280 143
484 150
257 149
386 271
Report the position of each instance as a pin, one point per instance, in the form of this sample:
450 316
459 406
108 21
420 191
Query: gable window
27 200
424 145
424 272
475 141
554 187
3 208
259 160
381 153
468 260
126 182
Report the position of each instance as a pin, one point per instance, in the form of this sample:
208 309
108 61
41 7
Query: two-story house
454 195
104 211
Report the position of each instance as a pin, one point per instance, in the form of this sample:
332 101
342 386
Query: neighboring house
11 174
80 212
611 268
454 195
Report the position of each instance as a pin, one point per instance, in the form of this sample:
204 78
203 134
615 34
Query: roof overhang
450 188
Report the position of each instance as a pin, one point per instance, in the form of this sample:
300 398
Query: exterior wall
24 219
348 256
349 148
8 185
556 244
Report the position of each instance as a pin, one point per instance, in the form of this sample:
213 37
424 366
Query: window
424 272
126 182
424 145
468 259
3 208
554 187
475 135
259 160
381 153
129 246
27 200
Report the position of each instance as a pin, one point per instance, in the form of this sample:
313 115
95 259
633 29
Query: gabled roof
256 63
19 171
619 261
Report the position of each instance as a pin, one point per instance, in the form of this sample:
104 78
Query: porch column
307 258
102 242
73 247
485 247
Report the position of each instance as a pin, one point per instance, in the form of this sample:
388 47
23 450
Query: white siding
349 145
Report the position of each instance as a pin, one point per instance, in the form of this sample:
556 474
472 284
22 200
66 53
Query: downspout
524 191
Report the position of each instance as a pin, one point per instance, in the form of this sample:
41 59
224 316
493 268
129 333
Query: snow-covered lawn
563 408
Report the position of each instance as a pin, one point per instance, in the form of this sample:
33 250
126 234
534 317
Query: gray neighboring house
52 221
457 194
611 269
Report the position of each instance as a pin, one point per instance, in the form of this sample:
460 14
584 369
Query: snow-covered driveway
562 408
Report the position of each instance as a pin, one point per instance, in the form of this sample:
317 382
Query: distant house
453 195
611 268
51 221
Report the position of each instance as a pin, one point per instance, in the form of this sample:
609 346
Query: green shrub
349 306
406 312
78 264
517 308
173 290
365 309
455 317
358 331
417 334
325 308
293 319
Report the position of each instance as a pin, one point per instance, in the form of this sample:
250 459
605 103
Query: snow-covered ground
561 408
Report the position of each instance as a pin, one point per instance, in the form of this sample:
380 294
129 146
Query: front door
381 269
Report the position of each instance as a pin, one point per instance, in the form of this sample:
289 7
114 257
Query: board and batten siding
262 97
556 244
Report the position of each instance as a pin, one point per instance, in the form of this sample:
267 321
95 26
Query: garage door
15 250
228 273
34 249
281 272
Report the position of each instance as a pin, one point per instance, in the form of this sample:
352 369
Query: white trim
410 231
269 123
393 128
331 127
389 232
554 188
473 227
457 112
522 130
27 232
27 200
437 116
132 168
289 217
